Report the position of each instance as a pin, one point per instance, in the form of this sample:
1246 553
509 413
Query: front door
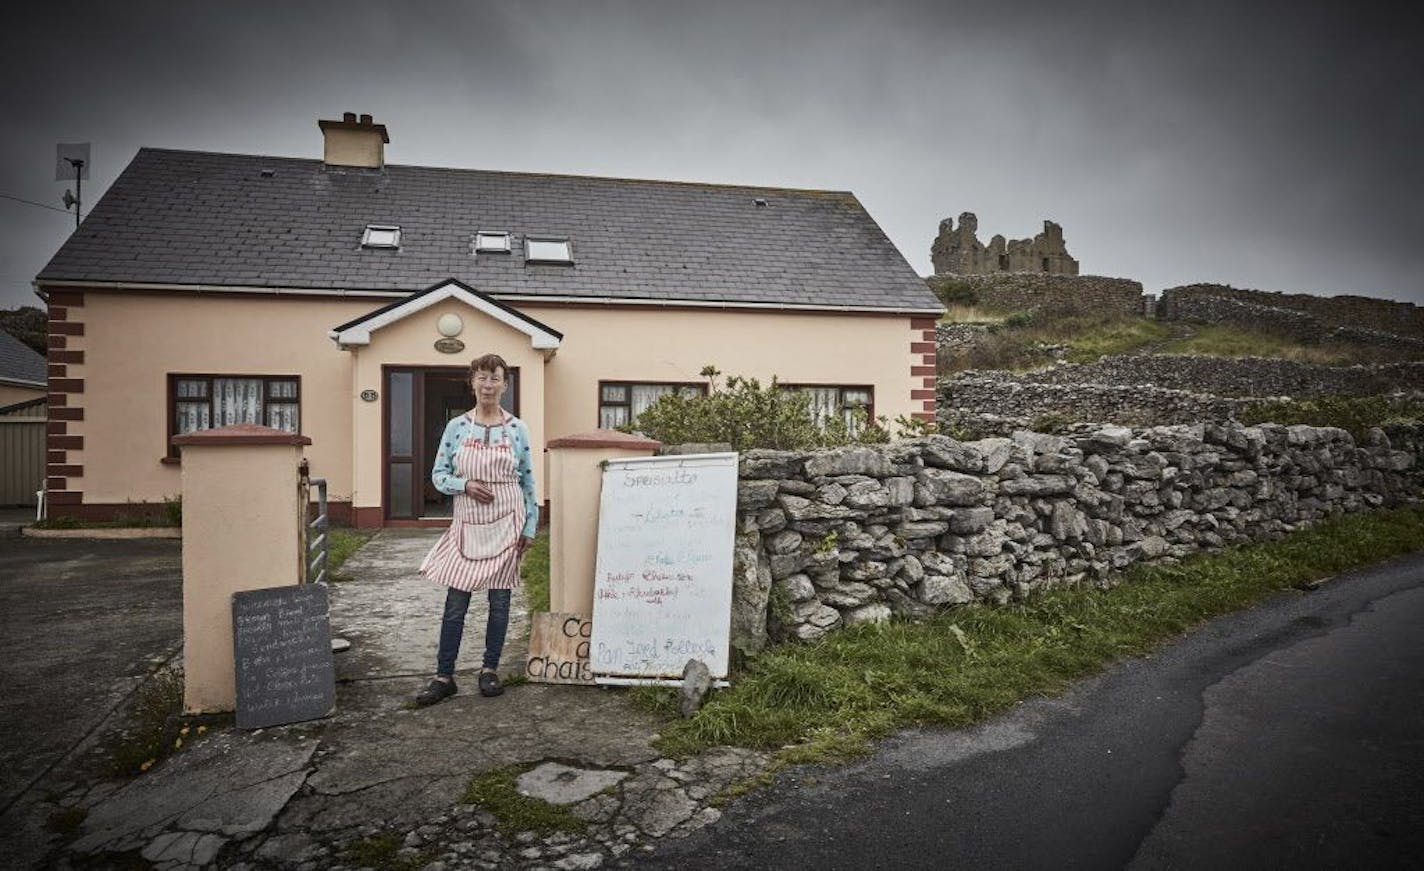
419 402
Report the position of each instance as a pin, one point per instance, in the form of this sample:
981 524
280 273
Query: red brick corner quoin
922 366
63 476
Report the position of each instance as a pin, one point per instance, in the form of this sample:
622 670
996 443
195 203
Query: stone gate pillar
575 480
242 522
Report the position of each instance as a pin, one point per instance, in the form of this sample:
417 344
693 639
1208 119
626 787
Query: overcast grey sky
1275 147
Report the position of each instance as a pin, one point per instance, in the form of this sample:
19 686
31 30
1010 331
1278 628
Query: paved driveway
81 622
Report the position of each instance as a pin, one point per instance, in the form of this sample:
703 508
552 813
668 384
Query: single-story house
343 298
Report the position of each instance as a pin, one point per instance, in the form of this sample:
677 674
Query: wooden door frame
417 436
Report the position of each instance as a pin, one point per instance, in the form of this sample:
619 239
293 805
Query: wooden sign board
662 589
558 649
281 647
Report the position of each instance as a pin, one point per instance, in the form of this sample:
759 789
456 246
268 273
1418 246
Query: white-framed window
210 401
381 236
836 400
490 242
620 402
548 250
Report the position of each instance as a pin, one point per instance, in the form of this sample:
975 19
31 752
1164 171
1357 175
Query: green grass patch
382 851
535 573
1115 337
1023 340
342 544
154 727
1357 414
1216 340
495 792
825 701
169 515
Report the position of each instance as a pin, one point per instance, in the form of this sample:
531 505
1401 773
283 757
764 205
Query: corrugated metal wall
22 459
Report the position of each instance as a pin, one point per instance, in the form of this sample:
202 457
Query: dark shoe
489 684
437 691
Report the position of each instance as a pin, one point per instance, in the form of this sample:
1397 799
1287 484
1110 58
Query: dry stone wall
1150 390
1305 318
1401 318
1231 376
838 537
1049 293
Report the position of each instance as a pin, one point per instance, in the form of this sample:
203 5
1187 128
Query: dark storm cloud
1268 147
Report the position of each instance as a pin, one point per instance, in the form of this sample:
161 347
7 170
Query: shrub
746 415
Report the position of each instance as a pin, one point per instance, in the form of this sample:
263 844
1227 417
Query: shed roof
19 364
232 220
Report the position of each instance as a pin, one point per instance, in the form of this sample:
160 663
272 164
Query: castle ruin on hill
959 251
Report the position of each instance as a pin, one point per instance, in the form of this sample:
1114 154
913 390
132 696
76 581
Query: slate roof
198 218
19 362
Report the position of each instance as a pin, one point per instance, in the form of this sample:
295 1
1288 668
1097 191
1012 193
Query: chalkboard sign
281 646
662 589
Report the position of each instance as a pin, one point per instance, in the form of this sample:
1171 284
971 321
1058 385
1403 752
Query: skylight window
548 251
493 243
381 236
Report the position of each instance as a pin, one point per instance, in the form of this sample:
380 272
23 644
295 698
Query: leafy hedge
747 415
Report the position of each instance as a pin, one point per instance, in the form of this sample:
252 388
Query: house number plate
370 395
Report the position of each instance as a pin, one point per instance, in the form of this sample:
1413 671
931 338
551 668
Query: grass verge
342 543
825 701
495 792
535 574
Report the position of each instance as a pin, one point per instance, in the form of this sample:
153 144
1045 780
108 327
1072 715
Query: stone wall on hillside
1315 315
994 403
843 536
1231 376
1050 294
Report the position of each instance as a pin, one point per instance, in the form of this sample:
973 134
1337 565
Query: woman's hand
524 543
478 492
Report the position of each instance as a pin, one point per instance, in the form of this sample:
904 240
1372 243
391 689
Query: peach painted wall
132 342
411 342
125 387
651 345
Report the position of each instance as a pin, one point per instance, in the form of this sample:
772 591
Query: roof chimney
350 142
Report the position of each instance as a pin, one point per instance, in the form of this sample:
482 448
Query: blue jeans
452 629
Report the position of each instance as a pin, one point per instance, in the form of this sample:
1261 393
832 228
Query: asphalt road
1291 735
81 623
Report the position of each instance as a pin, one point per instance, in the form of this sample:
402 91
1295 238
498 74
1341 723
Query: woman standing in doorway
485 462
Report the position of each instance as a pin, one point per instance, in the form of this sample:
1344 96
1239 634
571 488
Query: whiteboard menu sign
662 590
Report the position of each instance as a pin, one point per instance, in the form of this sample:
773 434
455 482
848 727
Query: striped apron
479 551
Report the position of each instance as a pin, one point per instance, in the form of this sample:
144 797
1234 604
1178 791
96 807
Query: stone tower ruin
959 251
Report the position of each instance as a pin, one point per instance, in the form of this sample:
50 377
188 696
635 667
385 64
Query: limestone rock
943 487
942 590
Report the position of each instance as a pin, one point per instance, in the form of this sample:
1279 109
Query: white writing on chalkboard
282 655
663 582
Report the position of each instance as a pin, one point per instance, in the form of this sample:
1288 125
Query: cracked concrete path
1282 736
183 813
306 794
391 615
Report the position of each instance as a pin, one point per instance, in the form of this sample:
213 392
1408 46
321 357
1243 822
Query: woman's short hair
489 363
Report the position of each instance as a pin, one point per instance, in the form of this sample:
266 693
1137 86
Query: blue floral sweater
461 429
